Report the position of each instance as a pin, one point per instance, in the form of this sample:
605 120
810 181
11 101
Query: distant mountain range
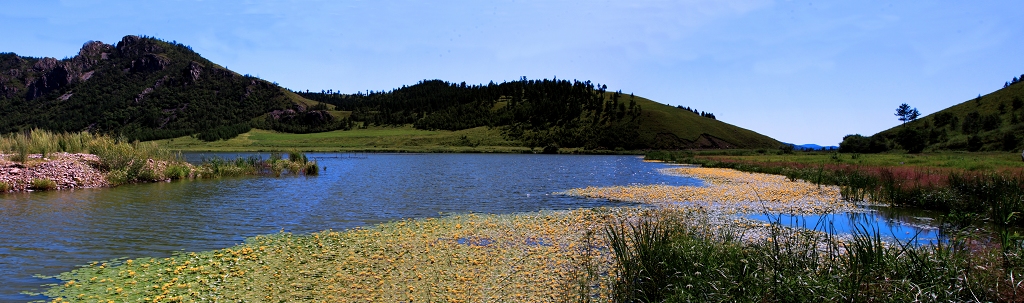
143 88
811 147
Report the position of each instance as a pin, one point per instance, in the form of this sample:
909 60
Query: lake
46 233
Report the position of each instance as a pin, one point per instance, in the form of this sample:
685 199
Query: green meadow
971 161
373 139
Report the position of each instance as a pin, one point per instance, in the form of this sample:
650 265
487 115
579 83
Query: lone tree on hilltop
906 113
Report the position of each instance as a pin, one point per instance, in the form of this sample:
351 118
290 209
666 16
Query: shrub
4 186
117 177
911 140
43 184
177 171
148 175
550 149
786 148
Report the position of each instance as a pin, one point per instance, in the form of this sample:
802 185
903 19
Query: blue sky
798 71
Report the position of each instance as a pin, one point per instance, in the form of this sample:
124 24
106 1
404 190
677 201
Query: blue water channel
907 226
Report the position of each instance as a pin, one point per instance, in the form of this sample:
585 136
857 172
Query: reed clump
4 186
297 156
128 162
45 142
276 165
664 261
43 184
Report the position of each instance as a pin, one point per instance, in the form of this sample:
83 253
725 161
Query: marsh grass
963 195
43 184
312 169
45 142
276 165
4 186
297 156
668 262
217 167
128 162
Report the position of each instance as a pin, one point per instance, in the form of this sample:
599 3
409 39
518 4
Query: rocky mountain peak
93 49
45 64
134 46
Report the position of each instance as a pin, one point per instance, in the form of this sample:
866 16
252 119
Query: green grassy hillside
675 128
993 122
373 139
545 113
669 127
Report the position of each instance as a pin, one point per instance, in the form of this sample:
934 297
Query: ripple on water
52 232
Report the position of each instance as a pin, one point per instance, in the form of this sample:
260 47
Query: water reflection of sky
919 229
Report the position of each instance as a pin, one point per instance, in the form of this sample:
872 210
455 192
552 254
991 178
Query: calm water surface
904 225
46 233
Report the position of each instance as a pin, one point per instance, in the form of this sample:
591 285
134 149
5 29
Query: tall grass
297 156
669 262
43 184
128 162
124 162
45 142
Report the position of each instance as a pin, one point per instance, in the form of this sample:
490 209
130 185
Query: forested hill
993 122
545 113
144 88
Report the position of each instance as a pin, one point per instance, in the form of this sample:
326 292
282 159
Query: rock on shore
67 170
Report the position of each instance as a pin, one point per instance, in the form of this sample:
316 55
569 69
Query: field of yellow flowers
529 257
544 256
730 191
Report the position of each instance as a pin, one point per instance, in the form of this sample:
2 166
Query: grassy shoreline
86 157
